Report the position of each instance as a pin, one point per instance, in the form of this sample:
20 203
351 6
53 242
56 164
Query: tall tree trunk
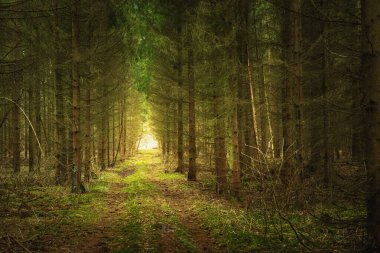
220 153
103 130
123 148
61 171
292 92
69 142
327 156
119 139
16 137
371 83
235 146
76 98
88 120
357 120
167 134
180 98
252 102
108 135
247 124
88 133
31 137
192 174
113 139
261 93
296 68
38 121
60 155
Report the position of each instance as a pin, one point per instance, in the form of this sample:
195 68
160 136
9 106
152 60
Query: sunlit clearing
148 142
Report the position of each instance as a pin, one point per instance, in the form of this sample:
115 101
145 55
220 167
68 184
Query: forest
190 126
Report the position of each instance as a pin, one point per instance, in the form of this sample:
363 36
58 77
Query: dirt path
140 212
182 207
98 238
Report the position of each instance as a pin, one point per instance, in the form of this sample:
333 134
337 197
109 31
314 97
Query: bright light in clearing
148 142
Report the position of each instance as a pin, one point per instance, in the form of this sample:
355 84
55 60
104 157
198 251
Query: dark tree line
67 99
272 94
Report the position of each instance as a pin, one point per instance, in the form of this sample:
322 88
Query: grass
148 215
146 220
263 229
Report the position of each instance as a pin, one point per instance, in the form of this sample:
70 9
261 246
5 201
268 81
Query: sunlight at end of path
147 142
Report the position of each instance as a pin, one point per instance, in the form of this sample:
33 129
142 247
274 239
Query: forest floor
138 207
135 207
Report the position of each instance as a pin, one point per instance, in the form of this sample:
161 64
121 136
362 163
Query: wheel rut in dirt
98 239
182 208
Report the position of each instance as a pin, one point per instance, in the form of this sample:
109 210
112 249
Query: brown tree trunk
371 83
60 155
38 125
292 92
113 140
247 124
357 120
103 131
180 98
327 156
235 147
192 174
31 137
220 153
108 136
296 68
76 98
88 134
167 134
16 137
123 148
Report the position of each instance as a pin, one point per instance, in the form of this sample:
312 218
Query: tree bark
220 153
16 137
296 68
31 137
60 155
327 156
88 133
76 98
371 82
192 174
103 130
247 124
180 98
235 147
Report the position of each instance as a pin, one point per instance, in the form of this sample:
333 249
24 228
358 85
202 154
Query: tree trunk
192 174
38 121
247 123
371 83
296 68
60 155
123 148
235 147
31 137
103 130
328 175
220 153
292 92
167 134
16 129
357 120
88 134
180 98
76 98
